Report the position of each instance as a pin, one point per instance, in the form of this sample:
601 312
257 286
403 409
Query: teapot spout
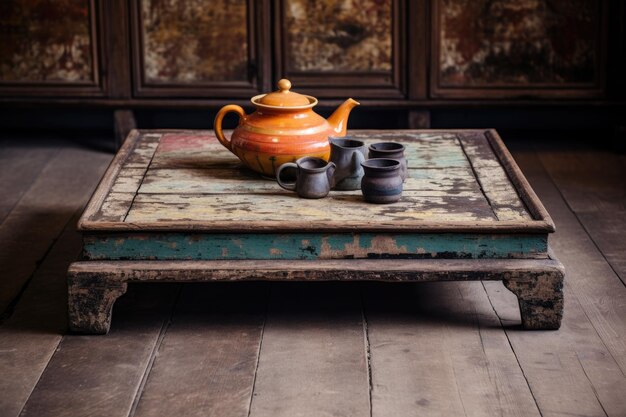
339 119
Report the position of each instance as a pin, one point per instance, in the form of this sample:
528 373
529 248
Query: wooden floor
315 349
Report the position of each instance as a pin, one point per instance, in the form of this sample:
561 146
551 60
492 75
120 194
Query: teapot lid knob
283 97
284 85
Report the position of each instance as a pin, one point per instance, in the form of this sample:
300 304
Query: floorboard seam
595 392
10 309
28 187
478 181
368 351
143 178
572 291
556 186
506 334
258 358
144 378
565 281
592 239
43 371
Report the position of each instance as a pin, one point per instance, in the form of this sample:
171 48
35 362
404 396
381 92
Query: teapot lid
283 97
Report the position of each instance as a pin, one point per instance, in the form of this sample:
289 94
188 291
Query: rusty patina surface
46 40
191 41
338 35
519 42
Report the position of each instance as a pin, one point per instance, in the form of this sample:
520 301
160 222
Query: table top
179 181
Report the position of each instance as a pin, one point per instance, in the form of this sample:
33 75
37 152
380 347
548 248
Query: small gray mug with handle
313 177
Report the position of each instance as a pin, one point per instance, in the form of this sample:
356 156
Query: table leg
90 302
540 297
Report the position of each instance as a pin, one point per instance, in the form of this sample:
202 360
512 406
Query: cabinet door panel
338 47
196 48
49 47
505 48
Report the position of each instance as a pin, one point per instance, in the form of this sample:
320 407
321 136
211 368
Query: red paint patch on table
173 142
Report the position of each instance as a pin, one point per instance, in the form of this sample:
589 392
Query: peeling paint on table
181 246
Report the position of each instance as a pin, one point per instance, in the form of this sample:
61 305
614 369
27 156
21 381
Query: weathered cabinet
356 46
502 48
199 49
51 48
395 53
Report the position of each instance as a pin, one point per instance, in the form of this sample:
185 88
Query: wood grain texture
590 179
517 178
42 213
438 349
30 336
574 358
569 372
337 209
124 123
590 277
392 270
420 182
191 178
206 363
105 374
607 229
313 358
593 184
19 168
492 178
95 285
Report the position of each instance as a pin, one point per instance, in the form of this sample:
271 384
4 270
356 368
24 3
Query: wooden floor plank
588 356
207 361
313 358
570 371
19 167
101 375
437 349
602 295
593 183
30 336
608 231
27 233
590 179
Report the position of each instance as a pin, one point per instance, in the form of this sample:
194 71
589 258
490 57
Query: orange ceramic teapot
283 128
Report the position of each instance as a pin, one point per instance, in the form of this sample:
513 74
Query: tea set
284 128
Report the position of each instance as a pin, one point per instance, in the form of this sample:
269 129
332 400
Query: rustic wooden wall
412 55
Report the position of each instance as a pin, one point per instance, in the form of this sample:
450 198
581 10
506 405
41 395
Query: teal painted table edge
283 246
515 252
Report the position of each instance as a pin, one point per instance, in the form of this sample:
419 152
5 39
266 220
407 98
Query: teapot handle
217 125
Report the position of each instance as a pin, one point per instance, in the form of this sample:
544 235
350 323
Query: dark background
539 68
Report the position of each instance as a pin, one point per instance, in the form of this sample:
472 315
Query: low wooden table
177 206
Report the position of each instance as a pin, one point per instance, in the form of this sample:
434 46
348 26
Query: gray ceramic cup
381 183
347 154
390 150
313 177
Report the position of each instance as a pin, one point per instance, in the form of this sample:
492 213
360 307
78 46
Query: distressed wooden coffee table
177 206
